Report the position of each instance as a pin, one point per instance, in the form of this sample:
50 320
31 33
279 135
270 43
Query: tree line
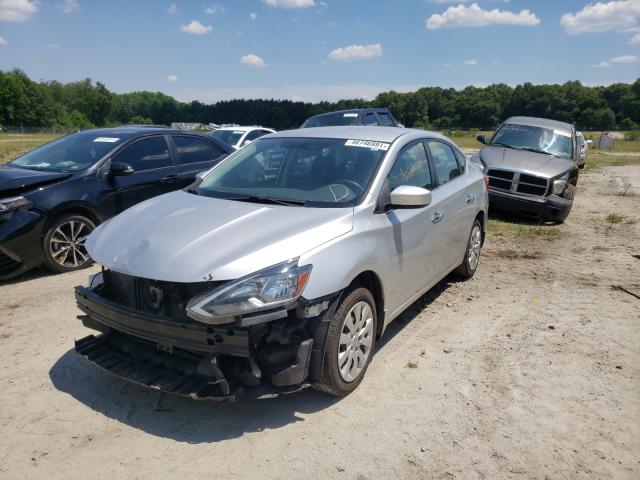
85 104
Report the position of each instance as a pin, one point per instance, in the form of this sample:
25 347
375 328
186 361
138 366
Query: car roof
379 134
540 122
131 130
359 110
243 128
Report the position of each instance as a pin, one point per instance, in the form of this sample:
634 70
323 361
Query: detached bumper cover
552 207
141 363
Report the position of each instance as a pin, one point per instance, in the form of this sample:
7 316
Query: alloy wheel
356 341
66 244
475 243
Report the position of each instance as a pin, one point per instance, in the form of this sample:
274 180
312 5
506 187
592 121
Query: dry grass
516 254
15 144
520 233
615 218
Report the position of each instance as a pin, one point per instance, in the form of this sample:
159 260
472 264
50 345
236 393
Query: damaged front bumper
189 358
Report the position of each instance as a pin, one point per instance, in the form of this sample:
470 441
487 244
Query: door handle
437 217
169 179
469 198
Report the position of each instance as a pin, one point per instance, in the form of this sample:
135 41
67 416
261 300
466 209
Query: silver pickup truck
532 165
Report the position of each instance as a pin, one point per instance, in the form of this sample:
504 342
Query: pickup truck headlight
559 185
7 204
272 287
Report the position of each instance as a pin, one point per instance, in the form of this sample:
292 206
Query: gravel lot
530 370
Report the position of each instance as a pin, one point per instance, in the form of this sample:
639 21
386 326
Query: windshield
321 172
230 137
537 139
73 152
336 119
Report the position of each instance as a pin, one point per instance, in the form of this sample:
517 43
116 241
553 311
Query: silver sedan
282 265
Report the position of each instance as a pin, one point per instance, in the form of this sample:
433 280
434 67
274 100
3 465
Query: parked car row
270 261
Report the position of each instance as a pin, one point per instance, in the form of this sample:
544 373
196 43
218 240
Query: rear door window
145 154
194 149
444 161
385 119
370 119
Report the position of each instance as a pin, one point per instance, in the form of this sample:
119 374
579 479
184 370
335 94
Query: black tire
81 226
331 381
569 192
466 269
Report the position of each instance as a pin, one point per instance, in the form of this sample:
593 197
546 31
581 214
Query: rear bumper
20 242
553 207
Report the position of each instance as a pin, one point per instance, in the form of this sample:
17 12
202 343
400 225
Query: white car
238 137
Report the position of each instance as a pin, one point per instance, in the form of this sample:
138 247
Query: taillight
486 181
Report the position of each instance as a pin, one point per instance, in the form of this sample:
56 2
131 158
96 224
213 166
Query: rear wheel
63 243
350 343
467 268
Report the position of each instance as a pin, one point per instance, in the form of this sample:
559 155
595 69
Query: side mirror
120 169
482 139
406 196
589 142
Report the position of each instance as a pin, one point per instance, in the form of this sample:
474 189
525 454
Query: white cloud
290 3
253 15
172 78
252 60
602 17
3 41
471 62
52 45
474 16
196 28
173 9
69 6
620 59
356 52
17 10
214 8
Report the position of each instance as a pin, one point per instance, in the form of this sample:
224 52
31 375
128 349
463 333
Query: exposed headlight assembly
7 204
273 287
560 184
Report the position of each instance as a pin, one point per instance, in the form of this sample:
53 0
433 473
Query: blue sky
313 50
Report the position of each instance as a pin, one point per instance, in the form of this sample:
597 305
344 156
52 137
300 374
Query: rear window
335 119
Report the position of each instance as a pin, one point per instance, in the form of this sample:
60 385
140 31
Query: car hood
16 181
522 161
183 237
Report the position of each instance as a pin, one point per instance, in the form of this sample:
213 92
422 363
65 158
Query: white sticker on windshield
368 144
560 132
238 132
350 115
106 139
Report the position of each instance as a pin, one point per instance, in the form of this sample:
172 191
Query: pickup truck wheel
63 243
350 343
467 268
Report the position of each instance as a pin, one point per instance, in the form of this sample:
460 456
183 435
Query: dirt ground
530 370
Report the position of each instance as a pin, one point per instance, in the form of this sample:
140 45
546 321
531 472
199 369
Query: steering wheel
355 187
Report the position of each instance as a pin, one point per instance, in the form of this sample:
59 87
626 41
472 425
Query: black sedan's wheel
63 244
350 342
472 254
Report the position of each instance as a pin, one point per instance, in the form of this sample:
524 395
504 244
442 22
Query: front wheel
63 243
467 268
350 343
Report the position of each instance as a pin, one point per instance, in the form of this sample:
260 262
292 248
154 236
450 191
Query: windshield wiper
498 144
538 150
276 201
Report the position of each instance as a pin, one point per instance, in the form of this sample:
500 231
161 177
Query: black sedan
53 197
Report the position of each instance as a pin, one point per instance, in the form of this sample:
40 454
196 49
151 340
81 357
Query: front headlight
14 203
559 185
269 288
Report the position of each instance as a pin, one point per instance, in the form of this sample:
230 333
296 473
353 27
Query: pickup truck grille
516 182
152 296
